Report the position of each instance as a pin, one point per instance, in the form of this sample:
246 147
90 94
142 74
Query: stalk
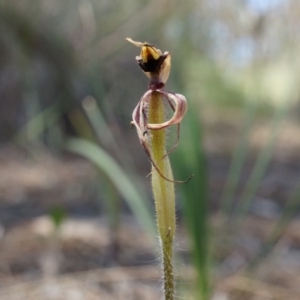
150 121
163 191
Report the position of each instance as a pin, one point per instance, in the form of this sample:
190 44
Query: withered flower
157 67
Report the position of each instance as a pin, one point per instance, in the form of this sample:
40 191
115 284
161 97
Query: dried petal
180 109
148 51
139 117
165 68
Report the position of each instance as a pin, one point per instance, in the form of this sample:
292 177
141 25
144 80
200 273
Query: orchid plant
149 119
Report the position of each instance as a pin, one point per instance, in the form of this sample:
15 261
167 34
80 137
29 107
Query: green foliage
58 215
190 158
117 176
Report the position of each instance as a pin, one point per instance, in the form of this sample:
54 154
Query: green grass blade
237 161
259 168
97 121
37 125
190 159
117 176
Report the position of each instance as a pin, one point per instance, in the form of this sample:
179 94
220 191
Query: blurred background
76 210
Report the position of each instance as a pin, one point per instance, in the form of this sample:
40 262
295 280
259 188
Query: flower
154 64
157 67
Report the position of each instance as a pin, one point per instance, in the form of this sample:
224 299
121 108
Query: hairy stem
163 191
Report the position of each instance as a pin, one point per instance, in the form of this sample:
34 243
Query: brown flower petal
139 120
180 109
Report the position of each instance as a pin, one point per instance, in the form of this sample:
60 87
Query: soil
83 258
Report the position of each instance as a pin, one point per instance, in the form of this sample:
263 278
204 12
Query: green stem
167 250
164 194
